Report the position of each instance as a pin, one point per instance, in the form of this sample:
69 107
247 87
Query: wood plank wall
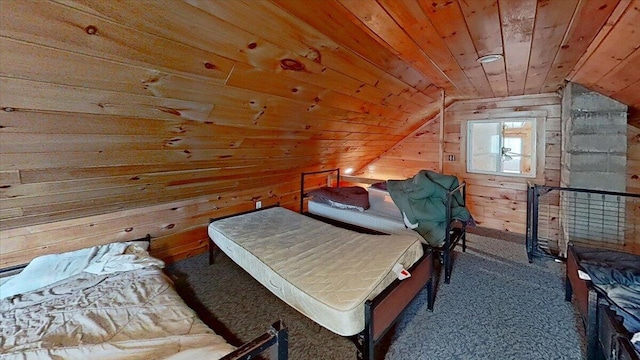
496 202
114 125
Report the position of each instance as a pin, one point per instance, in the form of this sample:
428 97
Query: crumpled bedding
422 200
134 314
617 274
104 259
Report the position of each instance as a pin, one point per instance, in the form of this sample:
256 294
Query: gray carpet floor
497 306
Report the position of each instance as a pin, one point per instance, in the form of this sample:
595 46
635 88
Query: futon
111 301
327 273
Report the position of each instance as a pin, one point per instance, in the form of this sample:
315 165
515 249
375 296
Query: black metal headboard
302 175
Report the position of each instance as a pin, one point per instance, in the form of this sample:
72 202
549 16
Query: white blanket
105 259
124 315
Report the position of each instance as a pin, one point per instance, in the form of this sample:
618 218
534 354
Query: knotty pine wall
496 202
114 124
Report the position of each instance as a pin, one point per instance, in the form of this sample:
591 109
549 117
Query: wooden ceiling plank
629 95
228 40
50 24
626 73
40 63
621 41
244 77
410 17
34 62
276 118
483 20
448 19
333 20
372 18
589 17
517 19
278 26
551 22
620 9
269 21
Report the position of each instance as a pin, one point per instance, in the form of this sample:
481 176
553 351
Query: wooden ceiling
197 96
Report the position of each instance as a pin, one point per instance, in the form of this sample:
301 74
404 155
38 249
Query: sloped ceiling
127 90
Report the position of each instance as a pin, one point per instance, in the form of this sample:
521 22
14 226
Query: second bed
345 281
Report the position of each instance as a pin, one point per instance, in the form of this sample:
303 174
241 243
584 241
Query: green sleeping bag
423 198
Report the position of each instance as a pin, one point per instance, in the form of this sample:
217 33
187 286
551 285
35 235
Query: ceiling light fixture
489 58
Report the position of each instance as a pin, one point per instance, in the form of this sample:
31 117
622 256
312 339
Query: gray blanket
617 274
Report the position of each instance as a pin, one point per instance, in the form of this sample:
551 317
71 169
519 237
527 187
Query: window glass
502 147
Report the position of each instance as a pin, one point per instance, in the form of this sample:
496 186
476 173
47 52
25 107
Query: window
502 147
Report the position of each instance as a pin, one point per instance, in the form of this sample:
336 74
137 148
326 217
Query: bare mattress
325 272
132 314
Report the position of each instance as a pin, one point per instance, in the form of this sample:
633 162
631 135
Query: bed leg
364 348
365 341
464 240
568 290
213 251
447 265
430 294
592 326
280 352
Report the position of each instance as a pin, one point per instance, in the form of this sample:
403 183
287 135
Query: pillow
349 197
382 185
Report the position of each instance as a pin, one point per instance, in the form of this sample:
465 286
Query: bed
110 301
605 286
319 269
441 222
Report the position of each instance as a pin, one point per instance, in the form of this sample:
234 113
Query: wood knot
209 65
91 30
170 226
565 46
314 55
8 109
128 229
252 45
290 64
135 178
634 177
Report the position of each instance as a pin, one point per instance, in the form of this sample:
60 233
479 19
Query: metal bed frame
454 235
275 339
383 311
606 336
